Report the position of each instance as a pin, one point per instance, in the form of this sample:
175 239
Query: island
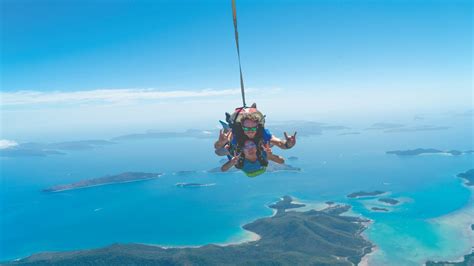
79 145
379 209
23 152
361 194
389 201
416 129
468 176
421 151
33 149
292 158
468 260
272 167
312 237
185 172
106 180
191 185
349 133
285 203
151 134
384 126
304 128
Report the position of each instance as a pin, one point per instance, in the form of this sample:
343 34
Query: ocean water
427 224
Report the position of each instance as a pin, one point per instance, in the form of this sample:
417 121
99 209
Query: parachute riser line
242 88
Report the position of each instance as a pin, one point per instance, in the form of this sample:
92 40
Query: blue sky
84 45
300 48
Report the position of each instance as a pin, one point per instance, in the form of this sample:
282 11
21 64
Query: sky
84 66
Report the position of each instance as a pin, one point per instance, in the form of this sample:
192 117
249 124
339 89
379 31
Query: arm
288 143
230 163
278 142
227 166
271 156
224 138
276 158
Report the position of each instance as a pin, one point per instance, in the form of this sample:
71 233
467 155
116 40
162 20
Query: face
250 149
250 128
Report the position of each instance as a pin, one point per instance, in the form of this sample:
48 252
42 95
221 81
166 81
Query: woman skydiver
251 160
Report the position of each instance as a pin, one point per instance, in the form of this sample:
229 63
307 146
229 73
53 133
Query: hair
251 116
260 158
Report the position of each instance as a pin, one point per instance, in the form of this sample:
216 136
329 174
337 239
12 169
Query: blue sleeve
267 136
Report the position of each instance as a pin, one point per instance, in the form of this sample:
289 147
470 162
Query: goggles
250 128
249 146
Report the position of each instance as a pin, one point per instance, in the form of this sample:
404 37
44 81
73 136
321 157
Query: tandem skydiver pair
247 143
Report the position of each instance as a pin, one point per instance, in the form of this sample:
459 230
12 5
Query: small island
285 203
421 151
389 201
32 149
292 158
106 180
191 185
272 167
361 194
288 238
468 176
379 209
185 172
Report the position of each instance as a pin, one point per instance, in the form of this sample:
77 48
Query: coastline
246 236
104 184
459 221
318 206
261 228
365 261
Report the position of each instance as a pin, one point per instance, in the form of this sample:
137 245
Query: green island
184 185
289 237
380 209
421 151
105 180
271 168
360 194
468 176
389 201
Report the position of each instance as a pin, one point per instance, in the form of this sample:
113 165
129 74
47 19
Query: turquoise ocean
430 223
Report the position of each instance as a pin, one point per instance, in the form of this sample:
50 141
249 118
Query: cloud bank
5 144
105 96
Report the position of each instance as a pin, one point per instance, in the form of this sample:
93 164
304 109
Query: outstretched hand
267 149
223 136
290 140
235 158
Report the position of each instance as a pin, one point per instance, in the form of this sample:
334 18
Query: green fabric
256 173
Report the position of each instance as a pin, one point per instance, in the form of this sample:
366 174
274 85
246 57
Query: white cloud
5 144
121 111
105 96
